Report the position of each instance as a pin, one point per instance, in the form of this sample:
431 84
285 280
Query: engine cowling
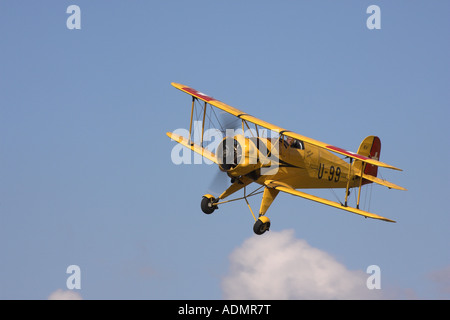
237 156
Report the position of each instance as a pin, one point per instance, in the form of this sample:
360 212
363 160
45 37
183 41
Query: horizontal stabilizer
285 188
382 182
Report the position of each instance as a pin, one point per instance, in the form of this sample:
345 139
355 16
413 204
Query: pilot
290 141
293 143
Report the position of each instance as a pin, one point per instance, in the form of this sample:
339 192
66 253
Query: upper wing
223 106
286 188
245 116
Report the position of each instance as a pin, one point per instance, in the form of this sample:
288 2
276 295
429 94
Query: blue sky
86 176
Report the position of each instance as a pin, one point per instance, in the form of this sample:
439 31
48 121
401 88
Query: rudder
370 147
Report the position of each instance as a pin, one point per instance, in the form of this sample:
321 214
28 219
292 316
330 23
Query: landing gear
261 225
208 204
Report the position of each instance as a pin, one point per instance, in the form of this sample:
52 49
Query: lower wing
285 188
194 147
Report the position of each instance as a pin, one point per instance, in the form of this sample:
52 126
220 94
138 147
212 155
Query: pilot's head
289 140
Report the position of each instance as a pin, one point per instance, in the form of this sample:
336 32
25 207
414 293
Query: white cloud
279 266
64 295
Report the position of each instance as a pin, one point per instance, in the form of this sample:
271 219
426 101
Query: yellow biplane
284 162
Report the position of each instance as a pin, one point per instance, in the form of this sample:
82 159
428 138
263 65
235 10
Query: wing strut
203 124
348 180
360 184
192 115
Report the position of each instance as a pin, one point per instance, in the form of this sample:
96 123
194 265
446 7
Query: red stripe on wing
198 94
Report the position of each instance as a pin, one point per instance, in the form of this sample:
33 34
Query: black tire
260 227
207 205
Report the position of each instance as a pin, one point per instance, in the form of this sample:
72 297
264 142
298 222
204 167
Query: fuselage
299 165
310 167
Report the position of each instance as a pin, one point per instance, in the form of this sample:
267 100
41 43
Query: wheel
208 205
261 225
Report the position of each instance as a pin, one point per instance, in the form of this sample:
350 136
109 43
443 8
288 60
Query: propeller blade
229 121
219 183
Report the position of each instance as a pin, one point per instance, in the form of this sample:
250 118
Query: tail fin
370 147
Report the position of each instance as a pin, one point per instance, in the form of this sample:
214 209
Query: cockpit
293 143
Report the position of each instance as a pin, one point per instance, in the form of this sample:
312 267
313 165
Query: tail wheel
208 205
261 225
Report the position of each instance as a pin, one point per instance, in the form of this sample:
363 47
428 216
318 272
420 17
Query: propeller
229 121
220 182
